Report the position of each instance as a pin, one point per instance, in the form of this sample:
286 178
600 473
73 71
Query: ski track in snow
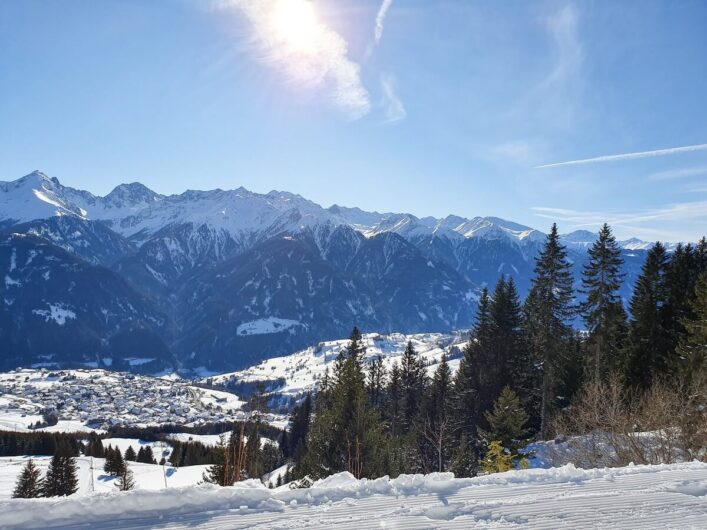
665 496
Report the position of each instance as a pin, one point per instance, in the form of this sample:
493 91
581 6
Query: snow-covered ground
302 370
147 476
666 496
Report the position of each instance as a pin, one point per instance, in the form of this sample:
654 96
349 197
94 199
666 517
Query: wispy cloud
647 222
628 156
288 36
680 173
380 20
379 27
393 107
569 54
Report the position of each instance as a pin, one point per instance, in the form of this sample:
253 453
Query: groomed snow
667 496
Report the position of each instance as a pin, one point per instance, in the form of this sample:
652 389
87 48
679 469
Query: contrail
629 156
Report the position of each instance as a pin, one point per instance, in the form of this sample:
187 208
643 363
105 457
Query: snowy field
665 496
302 370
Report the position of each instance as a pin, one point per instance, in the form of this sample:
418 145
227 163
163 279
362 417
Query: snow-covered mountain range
223 278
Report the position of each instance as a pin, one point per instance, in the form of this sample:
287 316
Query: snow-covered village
273 264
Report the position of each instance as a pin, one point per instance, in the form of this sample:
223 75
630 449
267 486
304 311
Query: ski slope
664 496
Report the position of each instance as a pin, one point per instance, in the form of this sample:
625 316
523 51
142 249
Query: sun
295 23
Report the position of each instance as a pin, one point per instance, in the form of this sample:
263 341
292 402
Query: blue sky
411 105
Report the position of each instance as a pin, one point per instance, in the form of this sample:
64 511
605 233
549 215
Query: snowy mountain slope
211 263
56 306
382 283
92 241
667 496
292 376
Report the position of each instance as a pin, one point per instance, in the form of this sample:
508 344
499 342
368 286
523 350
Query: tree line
524 368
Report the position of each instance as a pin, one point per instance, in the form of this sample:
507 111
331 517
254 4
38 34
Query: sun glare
295 23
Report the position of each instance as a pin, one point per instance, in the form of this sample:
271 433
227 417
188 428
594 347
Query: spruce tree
691 360
465 460
412 380
29 483
548 309
346 433
468 388
130 454
437 427
394 400
507 424
61 478
376 382
603 311
649 346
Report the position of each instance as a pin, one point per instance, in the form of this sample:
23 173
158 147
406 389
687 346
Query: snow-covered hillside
98 399
293 375
667 496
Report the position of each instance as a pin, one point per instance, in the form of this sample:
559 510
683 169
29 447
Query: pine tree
346 433
376 382
548 308
125 481
130 454
412 380
465 461
114 461
692 349
437 425
467 399
603 310
29 483
497 459
61 478
649 341
395 397
507 424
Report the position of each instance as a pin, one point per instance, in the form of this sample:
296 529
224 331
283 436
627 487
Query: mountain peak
132 193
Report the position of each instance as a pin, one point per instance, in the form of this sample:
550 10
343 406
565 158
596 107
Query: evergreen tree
296 437
376 382
61 478
649 341
412 381
395 397
437 425
507 424
130 454
346 435
465 461
692 349
603 310
548 308
125 481
29 483
497 459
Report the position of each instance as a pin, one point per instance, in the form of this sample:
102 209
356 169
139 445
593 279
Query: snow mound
662 496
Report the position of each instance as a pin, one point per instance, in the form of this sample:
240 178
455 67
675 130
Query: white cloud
671 174
393 107
629 156
564 29
647 222
288 36
380 20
